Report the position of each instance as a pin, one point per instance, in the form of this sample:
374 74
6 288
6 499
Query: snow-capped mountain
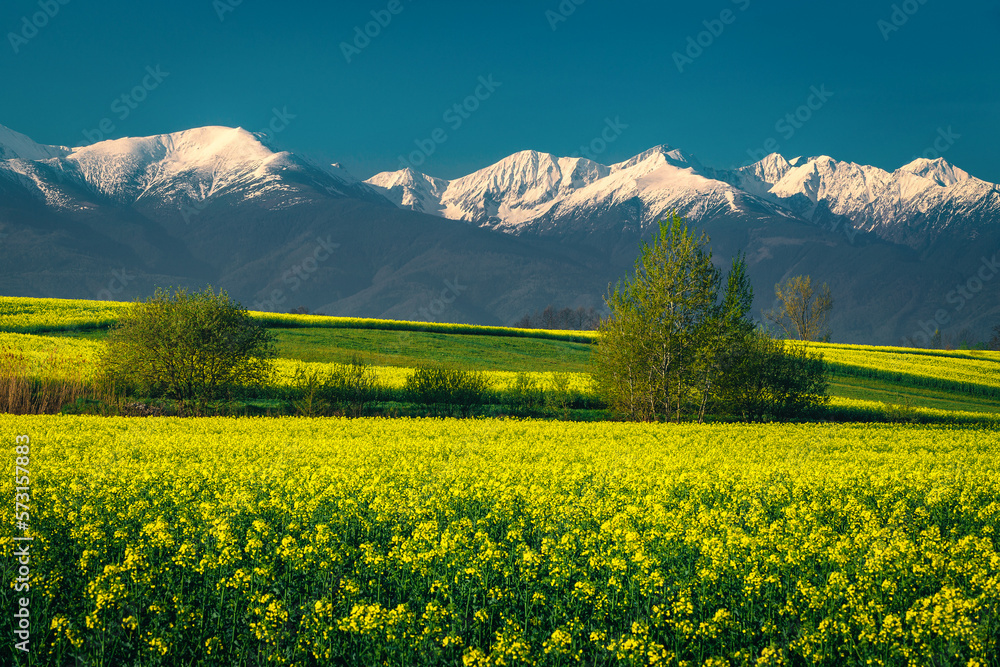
410 189
913 204
182 171
531 191
539 191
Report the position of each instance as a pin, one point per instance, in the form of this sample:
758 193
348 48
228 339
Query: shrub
559 397
351 386
524 394
187 346
762 378
442 386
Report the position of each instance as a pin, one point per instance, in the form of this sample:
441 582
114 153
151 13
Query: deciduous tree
658 352
189 346
678 345
800 311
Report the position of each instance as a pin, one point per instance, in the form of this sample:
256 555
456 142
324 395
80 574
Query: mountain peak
409 188
662 153
938 170
196 145
770 169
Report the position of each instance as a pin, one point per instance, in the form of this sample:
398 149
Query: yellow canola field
30 314
974 367
51 357
503 542
394 377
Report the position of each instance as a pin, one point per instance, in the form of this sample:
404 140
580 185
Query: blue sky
716 78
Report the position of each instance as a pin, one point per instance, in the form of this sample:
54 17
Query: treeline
580 319
963 340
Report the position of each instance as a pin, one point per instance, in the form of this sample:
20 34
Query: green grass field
413 348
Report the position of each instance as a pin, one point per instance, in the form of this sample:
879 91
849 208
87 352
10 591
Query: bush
442 386
351 387
192 347
524 394
762 378
559 397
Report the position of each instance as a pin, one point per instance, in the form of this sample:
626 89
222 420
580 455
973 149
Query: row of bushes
352 388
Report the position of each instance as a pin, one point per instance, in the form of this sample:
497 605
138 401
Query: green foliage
673 348
443 386
658 353
188 346
902 411
524 394
559 397
307 393
350 387
651 348
762 378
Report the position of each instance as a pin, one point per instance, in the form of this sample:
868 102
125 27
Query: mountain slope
181 172
537 192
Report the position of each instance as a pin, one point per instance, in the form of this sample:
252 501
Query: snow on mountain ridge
522 182
180 170
845 184
197 162
938 170
14 145
530 188
408 188
935 193
519 192
657 155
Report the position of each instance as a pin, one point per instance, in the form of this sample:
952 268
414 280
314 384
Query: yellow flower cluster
506 542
